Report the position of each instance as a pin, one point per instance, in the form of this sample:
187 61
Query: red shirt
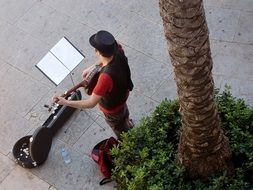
104 85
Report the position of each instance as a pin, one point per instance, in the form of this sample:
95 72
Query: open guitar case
32 150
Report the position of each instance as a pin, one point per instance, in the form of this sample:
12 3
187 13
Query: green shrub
146 158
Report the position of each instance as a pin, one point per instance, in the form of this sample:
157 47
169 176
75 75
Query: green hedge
146 158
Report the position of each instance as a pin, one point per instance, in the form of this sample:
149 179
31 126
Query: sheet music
53 68
67 54
60 61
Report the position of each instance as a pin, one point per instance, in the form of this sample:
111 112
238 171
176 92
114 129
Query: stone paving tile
98 15
222 23
3 67
11 38
245 5
47 24
82 173
30 52
22 179
140 106
29 92
92 136
38 114
232 65
136 37
146 9
213 3
13 127
143 69
76 126
244 30
6 166
12 10
168 89
232 60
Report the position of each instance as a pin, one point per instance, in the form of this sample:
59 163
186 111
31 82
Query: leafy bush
146 158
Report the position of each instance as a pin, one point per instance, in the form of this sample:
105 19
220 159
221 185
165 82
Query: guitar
91 79
88 84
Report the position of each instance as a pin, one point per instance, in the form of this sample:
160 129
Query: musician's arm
91 102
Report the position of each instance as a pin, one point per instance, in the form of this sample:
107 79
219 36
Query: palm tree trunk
203 147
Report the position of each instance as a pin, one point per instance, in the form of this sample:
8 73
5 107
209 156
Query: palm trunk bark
203 147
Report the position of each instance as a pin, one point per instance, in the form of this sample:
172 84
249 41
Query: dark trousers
119 122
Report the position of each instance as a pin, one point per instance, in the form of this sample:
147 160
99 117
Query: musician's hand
89 69
55 99
62 101
59 100
85 73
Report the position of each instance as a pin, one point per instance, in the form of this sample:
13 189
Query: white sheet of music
67 54
60 61
53 68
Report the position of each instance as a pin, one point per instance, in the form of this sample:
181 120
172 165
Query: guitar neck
94 72
83 83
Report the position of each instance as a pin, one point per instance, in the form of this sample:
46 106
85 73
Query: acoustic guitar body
92 79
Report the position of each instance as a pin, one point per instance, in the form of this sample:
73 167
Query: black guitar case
31 151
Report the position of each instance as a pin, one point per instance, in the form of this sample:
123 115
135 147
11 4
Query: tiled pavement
29 28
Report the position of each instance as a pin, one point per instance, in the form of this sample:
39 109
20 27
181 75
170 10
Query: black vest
119 71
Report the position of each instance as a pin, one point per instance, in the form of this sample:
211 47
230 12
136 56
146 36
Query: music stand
60 61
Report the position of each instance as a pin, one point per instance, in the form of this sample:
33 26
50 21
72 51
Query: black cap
104 42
